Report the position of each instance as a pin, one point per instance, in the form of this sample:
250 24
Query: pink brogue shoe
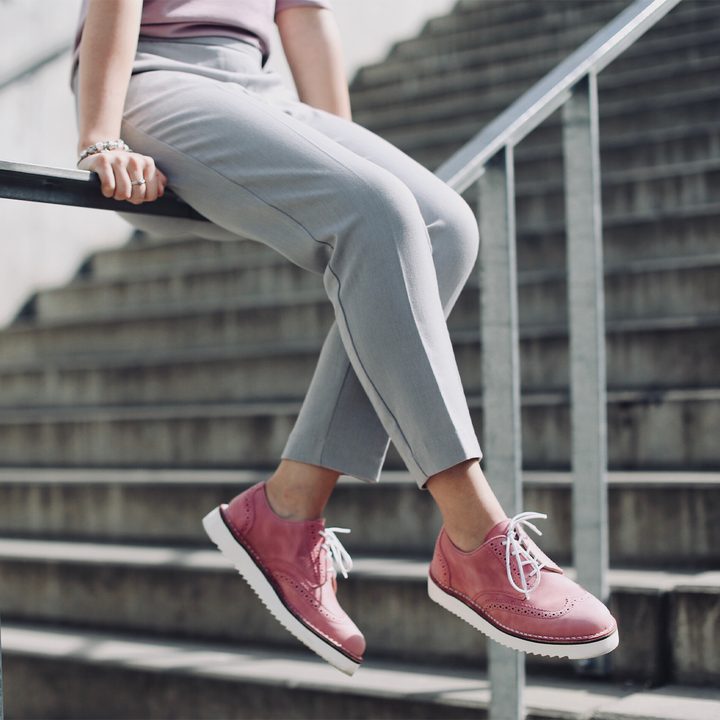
511 591
289 565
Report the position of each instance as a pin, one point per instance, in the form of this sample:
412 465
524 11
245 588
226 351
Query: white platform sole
219 533
579 651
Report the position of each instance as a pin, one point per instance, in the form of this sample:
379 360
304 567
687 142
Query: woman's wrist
103 146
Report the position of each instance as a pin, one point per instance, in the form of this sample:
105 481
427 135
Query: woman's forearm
107 51
311 41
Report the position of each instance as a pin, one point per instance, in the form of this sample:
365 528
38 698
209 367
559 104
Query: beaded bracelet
103 147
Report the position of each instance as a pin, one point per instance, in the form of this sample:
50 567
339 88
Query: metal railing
488 160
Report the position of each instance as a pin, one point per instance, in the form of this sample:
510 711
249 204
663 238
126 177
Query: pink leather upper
558 610
293 559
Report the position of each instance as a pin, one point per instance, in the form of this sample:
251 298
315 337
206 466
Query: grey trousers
393 243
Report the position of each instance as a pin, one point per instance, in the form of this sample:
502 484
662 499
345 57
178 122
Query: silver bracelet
103 147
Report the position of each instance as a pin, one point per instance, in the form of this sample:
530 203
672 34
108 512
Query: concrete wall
42 245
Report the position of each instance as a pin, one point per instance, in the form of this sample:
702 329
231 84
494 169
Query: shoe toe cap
354 643
590 618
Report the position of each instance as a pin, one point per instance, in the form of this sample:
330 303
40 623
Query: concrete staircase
166 377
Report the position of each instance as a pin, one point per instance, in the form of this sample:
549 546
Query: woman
181 82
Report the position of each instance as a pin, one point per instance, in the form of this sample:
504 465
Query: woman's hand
118 170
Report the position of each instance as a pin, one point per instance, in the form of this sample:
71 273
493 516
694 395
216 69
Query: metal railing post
2 704
586 308
501 390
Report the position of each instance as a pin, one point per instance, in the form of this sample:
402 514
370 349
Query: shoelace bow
523 556
338 556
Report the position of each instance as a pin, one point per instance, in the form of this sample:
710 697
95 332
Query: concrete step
194 593
459 30
679 231
474 42
551 15
657 519
449 57
415 131
672 287
622 100
647 429
656 288
667 352
184 283
183 592
253 319
476 14
638 291
651 149
655 65
145 256
55 672
627 193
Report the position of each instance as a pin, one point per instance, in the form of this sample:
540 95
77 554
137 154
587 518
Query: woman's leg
336 407
336 400
279 181
275 179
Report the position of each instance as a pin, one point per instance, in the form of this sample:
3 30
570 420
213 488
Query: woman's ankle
467 503
298 491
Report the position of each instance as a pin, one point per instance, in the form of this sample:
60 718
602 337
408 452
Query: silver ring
138 182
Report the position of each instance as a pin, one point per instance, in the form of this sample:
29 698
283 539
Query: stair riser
41 688
656 435
626 198
479 14
695 628
194 442
617 119
142 256
702 145
544 247
548 18
672 293
631 295
468 44
653 360
461 87
467 32
630 241
621 109
214 605
651 526
697 146
431 63
253 325
77 301
618 81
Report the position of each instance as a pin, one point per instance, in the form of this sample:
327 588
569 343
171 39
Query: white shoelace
338 556
523 556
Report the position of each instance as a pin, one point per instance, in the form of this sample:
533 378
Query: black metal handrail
37 183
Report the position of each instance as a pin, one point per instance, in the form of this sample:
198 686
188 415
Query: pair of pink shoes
507 588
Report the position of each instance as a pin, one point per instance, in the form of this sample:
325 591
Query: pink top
247 20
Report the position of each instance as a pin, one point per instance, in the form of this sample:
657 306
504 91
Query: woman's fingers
123 187
134 176
101 164
127 176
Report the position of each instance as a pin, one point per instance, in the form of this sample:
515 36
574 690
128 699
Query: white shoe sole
579 651
219 533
